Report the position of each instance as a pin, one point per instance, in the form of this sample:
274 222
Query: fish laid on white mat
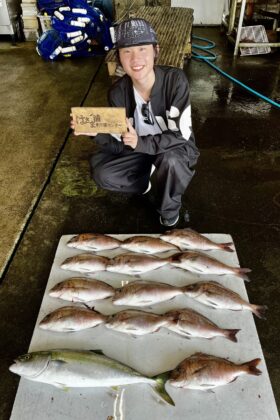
203 371
85 263
185 322
72 318
199 263
213 294
79 289
190 324
136 323
147 245
133 264
74 369
145 293
190 239
93 242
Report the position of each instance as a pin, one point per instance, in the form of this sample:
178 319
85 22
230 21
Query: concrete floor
46 191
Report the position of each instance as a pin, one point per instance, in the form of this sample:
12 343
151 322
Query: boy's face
138 61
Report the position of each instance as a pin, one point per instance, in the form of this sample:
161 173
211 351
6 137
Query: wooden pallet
173 27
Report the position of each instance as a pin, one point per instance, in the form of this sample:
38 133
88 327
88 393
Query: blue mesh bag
91 22
78 4
79 30
49 6
82 50
49 45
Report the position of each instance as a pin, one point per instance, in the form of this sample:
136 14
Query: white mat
249 397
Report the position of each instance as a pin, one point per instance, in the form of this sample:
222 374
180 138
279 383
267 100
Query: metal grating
173 27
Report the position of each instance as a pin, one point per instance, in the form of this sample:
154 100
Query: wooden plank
89 120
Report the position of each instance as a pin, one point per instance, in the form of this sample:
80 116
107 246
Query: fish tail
259 310
227 246
251 367
159 387
241 272
231 335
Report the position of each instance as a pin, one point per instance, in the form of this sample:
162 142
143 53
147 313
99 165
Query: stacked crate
30 21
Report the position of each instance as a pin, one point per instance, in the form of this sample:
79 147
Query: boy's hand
130 137
72 126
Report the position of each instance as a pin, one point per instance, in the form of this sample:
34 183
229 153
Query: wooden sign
99 120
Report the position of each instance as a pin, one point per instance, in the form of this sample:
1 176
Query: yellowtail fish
74 369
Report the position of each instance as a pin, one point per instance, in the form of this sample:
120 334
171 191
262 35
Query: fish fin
231 335
98 352
183 334
88 307
241 272
213 304
61 386
259 310
159 387
226 246
251 367
59 361
208 389
172 267
196 270
198 370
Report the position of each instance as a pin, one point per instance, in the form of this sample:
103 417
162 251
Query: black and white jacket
171 106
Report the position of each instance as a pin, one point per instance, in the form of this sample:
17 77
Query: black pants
129 172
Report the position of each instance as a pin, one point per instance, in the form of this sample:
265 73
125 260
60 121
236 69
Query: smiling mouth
137 68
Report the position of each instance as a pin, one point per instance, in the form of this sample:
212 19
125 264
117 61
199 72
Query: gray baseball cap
132 32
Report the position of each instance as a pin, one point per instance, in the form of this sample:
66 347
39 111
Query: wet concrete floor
236 190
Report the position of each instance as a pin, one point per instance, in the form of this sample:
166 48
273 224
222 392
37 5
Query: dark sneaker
169 222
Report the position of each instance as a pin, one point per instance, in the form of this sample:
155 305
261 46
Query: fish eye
25 357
